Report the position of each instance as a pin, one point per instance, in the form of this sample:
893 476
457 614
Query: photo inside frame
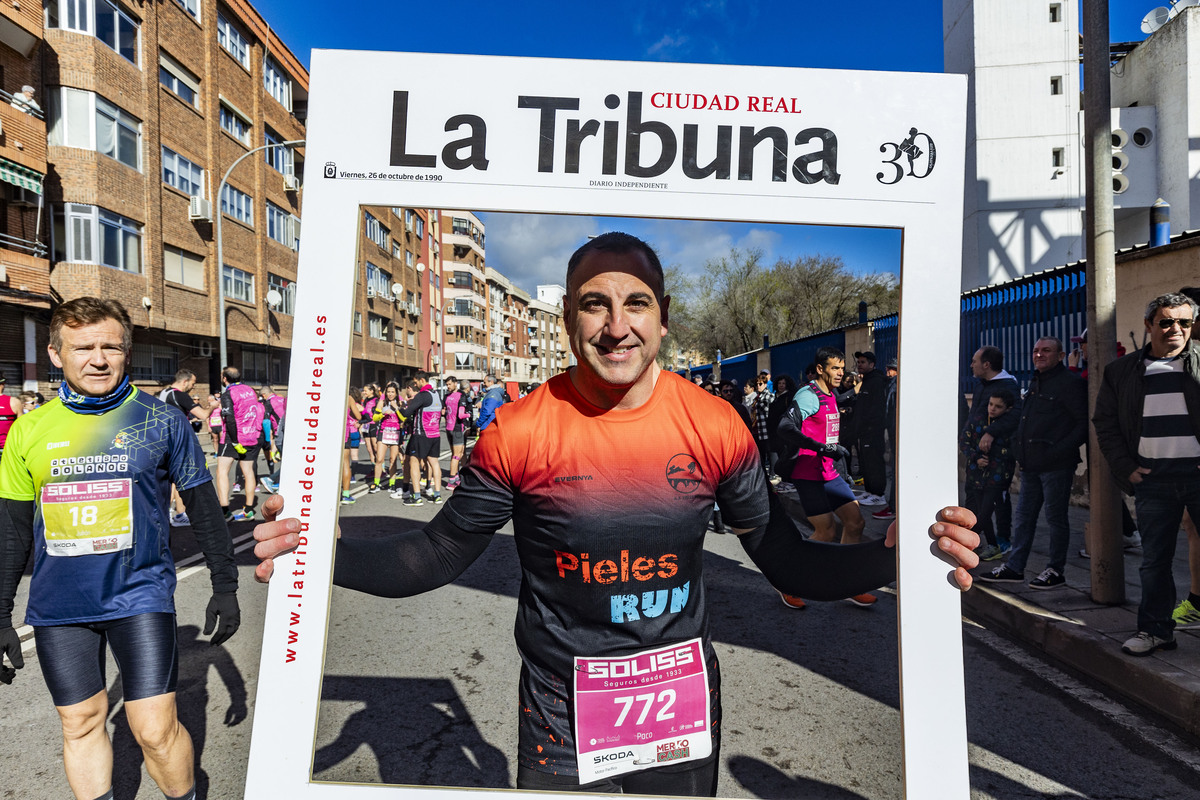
422 691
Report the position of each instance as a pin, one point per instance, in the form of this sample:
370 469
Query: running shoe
1143 644
1002 574
1186 615
453 482
347 499
413 500
989 552
1050 578
872 500
182 521
243 515
884 513
1083 553
791 601
863 600
435 498
1133 541
270 485
399 494
375 487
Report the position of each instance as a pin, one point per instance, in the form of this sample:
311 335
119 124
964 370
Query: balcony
24 272
21 26
463 244
22 137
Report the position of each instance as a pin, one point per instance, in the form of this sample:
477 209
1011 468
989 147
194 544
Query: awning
26 178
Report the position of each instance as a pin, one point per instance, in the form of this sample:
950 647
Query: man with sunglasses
1148 425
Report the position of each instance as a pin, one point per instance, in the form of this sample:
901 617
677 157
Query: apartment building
390 340
548 348
24 267
466 296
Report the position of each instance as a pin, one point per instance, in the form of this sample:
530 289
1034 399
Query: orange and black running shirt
610 509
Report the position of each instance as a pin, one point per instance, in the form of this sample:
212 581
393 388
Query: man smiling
609 473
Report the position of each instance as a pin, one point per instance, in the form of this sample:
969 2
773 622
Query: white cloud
530 249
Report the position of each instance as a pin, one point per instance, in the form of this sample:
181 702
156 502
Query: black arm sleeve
16 540
816 570
408 563
212 534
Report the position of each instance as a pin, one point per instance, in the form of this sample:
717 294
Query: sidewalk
1086 637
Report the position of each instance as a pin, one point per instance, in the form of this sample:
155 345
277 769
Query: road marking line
1160 739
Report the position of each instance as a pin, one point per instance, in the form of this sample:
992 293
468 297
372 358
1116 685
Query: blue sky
801 33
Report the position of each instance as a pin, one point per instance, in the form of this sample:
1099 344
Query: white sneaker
180 520
1133 541
1143 644
872 500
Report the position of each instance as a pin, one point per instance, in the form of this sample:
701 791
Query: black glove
10 645
834 451
225 606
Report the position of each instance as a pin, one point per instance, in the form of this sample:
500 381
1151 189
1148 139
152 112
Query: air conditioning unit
436 360
20 196
370 291
204 348
199 208
291 183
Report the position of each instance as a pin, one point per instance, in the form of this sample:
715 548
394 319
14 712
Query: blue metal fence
886 333
1014 315
790 358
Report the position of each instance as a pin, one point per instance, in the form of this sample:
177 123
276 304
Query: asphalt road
422 691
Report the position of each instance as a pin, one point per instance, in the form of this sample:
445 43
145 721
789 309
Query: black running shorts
144 646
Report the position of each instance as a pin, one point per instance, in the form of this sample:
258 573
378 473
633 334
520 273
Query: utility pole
1104 531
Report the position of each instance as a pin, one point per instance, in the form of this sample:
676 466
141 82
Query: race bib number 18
641 710
86 517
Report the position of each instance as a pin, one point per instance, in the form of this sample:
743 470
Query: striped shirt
1168 446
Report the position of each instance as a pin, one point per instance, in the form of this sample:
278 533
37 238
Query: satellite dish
1180 5
274 298
420 266
1155 19
397 288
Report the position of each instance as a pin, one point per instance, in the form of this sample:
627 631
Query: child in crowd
989 474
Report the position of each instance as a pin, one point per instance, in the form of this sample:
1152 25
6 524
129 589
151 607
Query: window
237 284
358 322
153 362
235 124
376 232
191 6
1056 86
1056 12
178 80
97 236
277 83
85 119
420 228
380 281
285 287
238 205
397 250
412 339
279 225
181 173
281 159
180 266
378 327
99 18
262 365
408 258
232 40
462 360
408 219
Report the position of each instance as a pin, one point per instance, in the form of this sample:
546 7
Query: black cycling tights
144 646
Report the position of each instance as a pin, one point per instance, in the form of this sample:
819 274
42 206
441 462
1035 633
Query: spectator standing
762 429
870 412
977 433
729 391
494 396
786 390
178 395
1148 426
1052 428
990 473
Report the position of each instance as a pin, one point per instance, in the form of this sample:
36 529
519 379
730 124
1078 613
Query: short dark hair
232 374
1054 339
1005 396
993 356
618 242
88 311
449 378
784 383
1169 300
183 374
826 353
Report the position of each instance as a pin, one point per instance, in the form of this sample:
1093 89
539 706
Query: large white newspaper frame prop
394 129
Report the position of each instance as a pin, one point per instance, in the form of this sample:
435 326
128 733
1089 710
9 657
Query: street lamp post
220 252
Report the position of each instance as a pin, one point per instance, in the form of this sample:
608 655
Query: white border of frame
351 129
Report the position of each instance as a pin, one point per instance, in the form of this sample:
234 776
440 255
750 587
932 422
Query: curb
1149 681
